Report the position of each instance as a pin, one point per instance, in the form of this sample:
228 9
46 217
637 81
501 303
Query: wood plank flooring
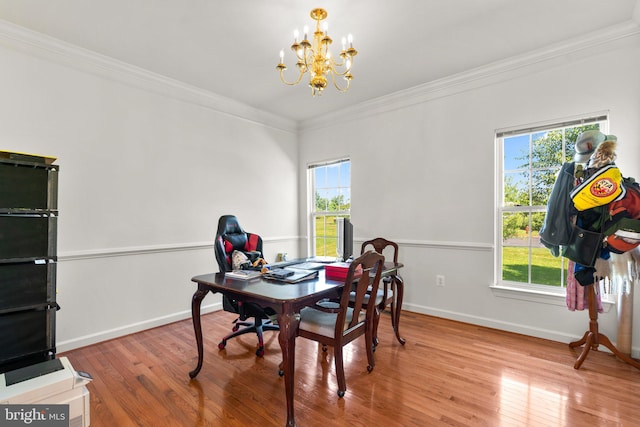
448 373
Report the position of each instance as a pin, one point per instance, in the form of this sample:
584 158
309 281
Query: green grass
545 268
327 237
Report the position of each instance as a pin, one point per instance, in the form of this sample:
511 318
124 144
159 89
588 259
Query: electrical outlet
439 280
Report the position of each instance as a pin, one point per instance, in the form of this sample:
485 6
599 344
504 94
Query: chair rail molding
152 249
434 244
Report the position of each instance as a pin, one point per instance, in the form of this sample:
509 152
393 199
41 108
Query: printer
50 382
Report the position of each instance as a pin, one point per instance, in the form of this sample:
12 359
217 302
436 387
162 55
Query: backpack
623 227
600 188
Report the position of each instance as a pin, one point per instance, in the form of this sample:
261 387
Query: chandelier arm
343 63
335 83
341 74
290 83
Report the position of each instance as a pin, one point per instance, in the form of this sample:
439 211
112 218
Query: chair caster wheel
281 373
222 345
260 352
340 393
369 368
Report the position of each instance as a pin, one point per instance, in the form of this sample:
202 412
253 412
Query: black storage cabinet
28 255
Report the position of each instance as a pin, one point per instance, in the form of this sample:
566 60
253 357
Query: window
330 185
530 161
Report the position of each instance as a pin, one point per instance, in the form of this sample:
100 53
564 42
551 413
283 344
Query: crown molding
57 51
486 75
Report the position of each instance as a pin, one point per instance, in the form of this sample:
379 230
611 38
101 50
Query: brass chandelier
316 59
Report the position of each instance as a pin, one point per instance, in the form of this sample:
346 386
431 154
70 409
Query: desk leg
399 295
288 323
196 302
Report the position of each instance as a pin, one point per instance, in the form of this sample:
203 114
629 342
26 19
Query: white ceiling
231 48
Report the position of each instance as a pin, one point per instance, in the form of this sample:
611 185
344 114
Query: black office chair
231 237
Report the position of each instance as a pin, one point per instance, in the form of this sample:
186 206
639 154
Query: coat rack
593 338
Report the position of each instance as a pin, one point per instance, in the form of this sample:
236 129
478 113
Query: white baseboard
503 326
431 311
86 340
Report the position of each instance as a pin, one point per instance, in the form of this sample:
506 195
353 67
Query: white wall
146 168
423 172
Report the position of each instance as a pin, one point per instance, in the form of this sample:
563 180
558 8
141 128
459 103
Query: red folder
339 270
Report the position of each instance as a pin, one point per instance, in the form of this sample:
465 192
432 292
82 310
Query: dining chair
387 294
338 322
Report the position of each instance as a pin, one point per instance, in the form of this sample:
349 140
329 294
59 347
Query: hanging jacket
556 229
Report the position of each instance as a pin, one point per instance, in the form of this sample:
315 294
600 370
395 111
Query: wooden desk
285 299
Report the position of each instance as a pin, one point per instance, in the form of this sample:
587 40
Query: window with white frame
330 185
530 161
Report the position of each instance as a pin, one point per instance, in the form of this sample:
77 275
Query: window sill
538 294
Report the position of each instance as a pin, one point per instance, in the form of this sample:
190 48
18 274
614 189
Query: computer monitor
345 238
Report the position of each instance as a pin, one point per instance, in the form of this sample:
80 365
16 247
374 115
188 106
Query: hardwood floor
448 373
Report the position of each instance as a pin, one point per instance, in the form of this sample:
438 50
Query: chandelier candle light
317 60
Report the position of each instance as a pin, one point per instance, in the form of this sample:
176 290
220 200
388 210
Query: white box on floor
51 382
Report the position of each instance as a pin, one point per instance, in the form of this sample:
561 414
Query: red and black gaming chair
231 237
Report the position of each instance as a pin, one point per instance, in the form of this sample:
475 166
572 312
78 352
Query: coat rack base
592 338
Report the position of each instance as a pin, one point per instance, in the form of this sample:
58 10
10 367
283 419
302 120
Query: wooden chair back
363 277
379 244
392 288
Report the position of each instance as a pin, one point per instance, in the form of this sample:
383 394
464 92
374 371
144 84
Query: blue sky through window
516 151
333 180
